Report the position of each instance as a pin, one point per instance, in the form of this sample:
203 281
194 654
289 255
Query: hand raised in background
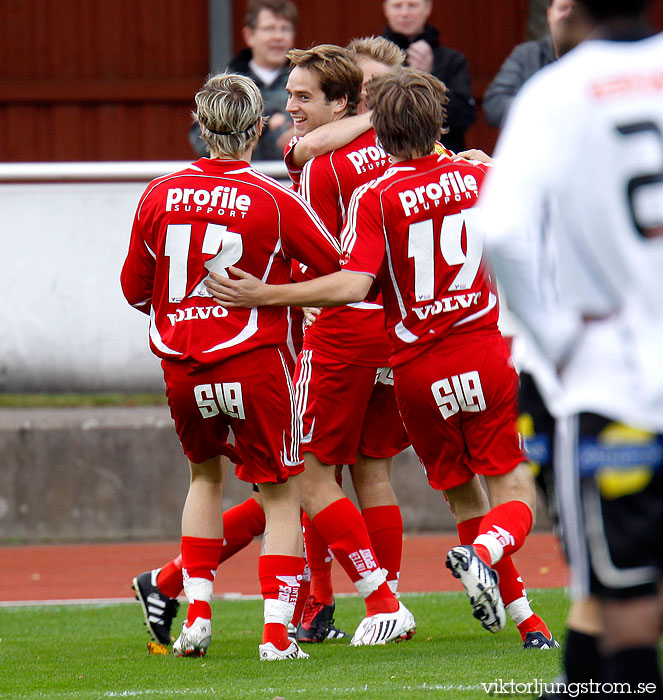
420 56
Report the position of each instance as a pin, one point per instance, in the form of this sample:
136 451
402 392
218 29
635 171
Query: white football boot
385 627
268 652
194 640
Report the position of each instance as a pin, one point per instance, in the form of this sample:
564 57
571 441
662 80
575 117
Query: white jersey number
421 248
226 247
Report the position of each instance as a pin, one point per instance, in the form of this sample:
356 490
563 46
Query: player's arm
335 289
137 276
320 189
306 239
516 207
329 137
339 288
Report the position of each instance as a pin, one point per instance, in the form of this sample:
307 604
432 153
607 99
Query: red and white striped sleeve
362 237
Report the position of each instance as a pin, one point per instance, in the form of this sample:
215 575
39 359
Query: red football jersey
417 230
355 333
214 214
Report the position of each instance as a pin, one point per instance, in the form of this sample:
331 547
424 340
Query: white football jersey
573 212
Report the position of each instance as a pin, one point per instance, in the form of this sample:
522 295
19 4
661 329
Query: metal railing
112 170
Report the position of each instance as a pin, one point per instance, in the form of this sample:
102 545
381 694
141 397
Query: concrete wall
119 474
65 323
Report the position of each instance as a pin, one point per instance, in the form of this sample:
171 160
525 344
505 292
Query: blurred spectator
408 28
269 33
567 29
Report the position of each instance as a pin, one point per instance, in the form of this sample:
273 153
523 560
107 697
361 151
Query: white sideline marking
369 687
108 601
182 599
171 692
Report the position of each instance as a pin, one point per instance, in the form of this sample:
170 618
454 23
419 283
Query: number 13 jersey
416 230
214 214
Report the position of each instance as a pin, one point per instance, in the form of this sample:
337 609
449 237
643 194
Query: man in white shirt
575 236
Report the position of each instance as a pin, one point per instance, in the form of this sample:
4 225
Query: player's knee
468 500
370 474
517 485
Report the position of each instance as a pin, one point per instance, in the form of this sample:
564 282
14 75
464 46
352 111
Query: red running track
105 571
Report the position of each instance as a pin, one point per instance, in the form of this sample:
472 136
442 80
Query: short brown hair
339 76
379 49
409 113
281 8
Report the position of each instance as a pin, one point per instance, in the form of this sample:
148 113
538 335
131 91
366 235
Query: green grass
80 400
98 652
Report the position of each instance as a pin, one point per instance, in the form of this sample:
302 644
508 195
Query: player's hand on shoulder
246 291
475 154
311 314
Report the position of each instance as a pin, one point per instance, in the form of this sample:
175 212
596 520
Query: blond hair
379 49
338 75
229 111
409 111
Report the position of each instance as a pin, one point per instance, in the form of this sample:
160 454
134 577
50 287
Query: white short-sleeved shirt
573 212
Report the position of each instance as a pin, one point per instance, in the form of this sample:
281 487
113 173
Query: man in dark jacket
408 28
269 34
567 28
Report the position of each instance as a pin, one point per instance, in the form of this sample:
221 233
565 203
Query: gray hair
229 110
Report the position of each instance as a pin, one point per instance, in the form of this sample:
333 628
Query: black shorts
537 429
535 423
610 485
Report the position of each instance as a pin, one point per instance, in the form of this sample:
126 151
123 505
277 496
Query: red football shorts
347 409
251 393
459 403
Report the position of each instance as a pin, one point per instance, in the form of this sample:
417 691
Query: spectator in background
408 28
567 28
269 33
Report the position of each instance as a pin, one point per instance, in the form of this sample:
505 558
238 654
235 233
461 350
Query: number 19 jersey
417 230
214 214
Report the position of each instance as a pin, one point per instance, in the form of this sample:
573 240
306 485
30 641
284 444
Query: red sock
241 524
200 558
385 528
304 590
503 531
468 529
319 560
280 579
169 579
533 624
511 583
343 528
